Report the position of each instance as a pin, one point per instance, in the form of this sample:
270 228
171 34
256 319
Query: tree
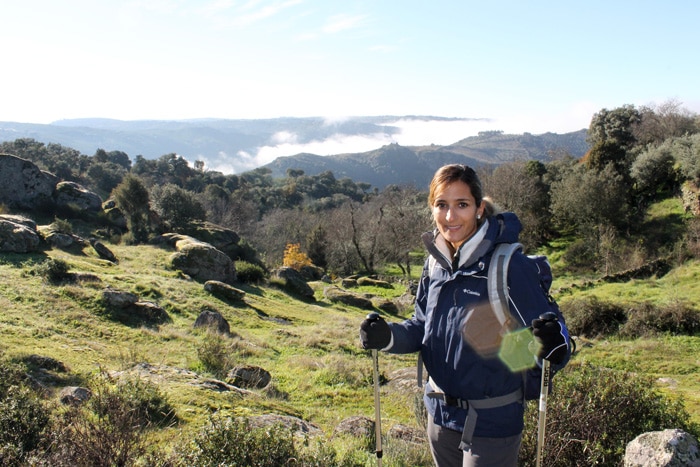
667 120
614 126
612 137
583 199
519 187
317 245
132 199
406 217
176 206
653 171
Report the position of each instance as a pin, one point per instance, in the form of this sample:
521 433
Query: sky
514 65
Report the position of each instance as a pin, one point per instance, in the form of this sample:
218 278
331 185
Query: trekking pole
377 412
544 390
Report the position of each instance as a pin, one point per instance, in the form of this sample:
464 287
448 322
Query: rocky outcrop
221 238
199 260
223 290
23 185
294 282
73 196
18 235
337 295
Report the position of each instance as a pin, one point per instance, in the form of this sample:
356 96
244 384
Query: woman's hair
459 172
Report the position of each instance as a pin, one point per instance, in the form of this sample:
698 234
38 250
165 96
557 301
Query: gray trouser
484 452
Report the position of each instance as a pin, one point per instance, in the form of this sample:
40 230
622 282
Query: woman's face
454 212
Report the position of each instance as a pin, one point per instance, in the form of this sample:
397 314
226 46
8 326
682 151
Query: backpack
498 297
497 286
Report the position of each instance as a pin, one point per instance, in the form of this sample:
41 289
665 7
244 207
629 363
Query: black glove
551 334
374 332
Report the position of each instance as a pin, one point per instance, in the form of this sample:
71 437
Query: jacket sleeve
407 337
528 300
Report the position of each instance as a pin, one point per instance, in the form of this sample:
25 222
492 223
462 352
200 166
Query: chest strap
471 406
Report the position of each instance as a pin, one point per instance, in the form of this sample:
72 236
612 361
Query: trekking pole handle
549 316
374 316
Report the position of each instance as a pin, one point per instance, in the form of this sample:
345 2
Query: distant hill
232 144
219 142
397 165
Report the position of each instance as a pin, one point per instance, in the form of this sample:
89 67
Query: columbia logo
471 292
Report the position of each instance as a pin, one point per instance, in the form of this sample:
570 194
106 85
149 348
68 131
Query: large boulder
294 282
337 295
200 260
667 448
74 196
17 236
213 320
219 237
23 185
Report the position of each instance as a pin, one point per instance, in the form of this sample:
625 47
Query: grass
319 372
311 349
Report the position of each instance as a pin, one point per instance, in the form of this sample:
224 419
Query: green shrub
675 318
149 404
54 271
233 442
592 413
62 225
250 273
590 317
23 420
217 354
109 428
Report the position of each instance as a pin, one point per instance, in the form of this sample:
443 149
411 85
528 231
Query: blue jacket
451 304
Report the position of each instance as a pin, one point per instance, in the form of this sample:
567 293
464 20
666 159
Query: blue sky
525 66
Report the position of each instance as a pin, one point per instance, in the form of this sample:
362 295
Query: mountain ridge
233 144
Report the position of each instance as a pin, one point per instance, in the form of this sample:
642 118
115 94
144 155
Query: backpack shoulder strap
497 280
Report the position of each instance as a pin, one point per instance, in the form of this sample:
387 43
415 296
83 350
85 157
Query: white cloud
340 23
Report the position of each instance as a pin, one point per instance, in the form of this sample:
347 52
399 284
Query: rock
114 215
288 422
74 196
249 376
369 281
386 305
58 239
219 237
23 185
311 273
408 434
358 427
221 289
213 320
119 298
294 282
25 221
73 395
150 312
17 237
201 260
102 251
667 448
338 295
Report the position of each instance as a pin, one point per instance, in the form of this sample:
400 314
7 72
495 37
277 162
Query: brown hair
459 172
